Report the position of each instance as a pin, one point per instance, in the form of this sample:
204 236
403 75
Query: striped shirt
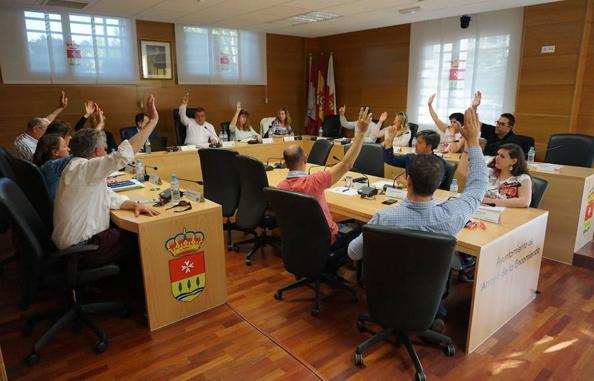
446 218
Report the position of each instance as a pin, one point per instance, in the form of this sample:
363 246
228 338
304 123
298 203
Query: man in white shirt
369 135
83 199
26 143
198 131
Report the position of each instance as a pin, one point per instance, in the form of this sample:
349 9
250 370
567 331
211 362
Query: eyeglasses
500 124
185 203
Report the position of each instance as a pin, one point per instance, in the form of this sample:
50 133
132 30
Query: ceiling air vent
73 4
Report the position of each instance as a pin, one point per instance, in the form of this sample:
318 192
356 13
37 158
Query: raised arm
346 164
377 132
343 121
438 122
137 141
182 110
476 102
63 104
233 124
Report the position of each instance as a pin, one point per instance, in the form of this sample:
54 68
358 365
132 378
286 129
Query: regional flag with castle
187 269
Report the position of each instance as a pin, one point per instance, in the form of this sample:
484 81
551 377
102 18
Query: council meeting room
297 190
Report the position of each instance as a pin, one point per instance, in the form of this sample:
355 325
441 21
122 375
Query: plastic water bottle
454 186
147 146
175 195
139 171
321 132
221 135
531 155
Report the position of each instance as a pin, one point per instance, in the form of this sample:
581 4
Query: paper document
344 190
545 167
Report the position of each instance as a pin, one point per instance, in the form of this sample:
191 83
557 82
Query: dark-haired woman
240 126
50 147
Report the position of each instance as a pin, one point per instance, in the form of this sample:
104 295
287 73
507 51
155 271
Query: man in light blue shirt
420 211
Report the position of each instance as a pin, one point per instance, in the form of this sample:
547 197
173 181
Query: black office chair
30 180
571 149
42 265
450 171
159 143
180 128
526 142
414 128
319 152
221 183
539 187
252 210
305 243
127 132
404 291
6 164
331 127
370 160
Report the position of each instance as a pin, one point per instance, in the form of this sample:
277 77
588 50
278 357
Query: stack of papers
344 190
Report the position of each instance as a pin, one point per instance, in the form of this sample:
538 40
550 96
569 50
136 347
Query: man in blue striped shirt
419 210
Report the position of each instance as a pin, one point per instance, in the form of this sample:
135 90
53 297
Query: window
454 63
220 56
47 47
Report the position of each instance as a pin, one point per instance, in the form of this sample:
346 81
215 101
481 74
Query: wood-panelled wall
370 68
554 93
286 65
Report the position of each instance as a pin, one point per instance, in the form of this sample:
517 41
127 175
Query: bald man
314 185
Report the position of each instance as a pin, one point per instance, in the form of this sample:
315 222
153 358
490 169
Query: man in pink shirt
314 185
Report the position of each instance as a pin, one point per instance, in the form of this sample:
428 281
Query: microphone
393 182
133 165
355 169
277 165
199 182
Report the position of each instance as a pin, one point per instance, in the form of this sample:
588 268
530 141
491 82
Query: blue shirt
446 218
277 129
403 161
51 171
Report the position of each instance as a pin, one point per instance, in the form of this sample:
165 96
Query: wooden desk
508 257
182 257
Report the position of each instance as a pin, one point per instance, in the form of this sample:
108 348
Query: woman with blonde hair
281 126
403 133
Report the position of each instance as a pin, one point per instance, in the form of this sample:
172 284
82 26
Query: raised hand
100 118
390 134
431 99
383 117
471 131
151 107
238 106
342 109
476 101
63 100
364 120
89 108
186 98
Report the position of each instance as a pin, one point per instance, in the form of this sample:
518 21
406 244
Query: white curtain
33 48
454 63
220 56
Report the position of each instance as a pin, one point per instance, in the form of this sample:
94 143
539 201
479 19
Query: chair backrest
33 236
31 182
180 128
370 160
127 132
414 128
571 149
252 201
450 169
305 235
265 124
539 187
6 164
331 126
159 143
526 142
319 152
220 176
405 274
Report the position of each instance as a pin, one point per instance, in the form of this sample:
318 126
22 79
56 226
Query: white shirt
241 135
196 134
83 199
24 147
353 126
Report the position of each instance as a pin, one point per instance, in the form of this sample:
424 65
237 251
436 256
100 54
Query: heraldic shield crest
186 269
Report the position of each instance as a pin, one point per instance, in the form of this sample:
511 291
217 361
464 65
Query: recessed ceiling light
314 17
409 11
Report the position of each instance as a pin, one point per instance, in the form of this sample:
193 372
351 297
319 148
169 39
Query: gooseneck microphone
279 164
355 169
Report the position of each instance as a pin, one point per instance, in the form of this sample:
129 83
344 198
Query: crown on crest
184 243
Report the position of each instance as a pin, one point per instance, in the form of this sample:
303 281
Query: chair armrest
74 250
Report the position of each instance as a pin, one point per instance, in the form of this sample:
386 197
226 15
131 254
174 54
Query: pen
345 190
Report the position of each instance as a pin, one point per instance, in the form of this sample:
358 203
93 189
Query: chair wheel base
315 312
449 350
101 346
358 359
236 248
248 262
420 376
361 326
32 359
278 296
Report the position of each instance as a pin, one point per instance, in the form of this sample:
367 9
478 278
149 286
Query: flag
310 115
321 92
330 103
